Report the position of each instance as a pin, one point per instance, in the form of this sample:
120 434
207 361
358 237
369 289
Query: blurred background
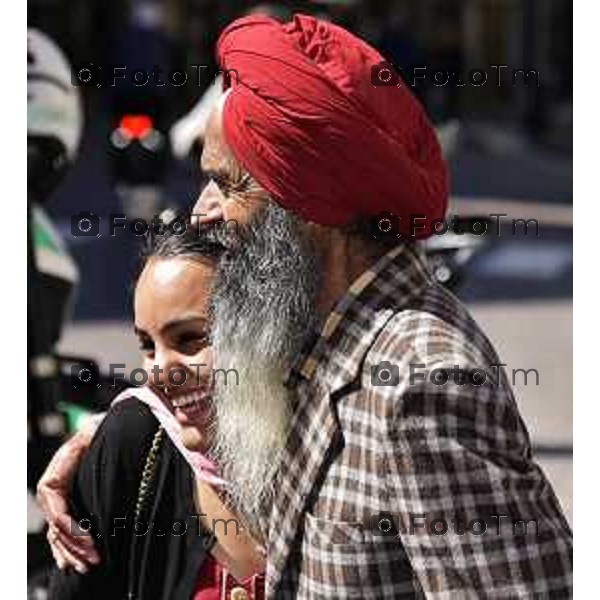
509 149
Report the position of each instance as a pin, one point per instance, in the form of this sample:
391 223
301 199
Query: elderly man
372 444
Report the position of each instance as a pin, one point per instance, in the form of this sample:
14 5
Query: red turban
305 121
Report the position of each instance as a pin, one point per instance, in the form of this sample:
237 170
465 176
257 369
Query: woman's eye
192 343
146 346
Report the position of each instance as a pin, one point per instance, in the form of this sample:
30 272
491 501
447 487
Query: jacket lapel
313 434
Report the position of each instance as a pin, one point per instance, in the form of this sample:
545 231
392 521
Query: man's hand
52 491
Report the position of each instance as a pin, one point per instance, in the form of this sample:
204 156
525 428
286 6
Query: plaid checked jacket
437 451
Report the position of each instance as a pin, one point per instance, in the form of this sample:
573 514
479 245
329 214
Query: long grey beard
264 307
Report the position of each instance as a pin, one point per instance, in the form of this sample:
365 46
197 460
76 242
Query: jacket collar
382 290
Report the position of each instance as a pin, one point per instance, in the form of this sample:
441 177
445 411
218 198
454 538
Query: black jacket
169 547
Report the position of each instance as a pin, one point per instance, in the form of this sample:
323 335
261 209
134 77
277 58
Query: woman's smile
192 407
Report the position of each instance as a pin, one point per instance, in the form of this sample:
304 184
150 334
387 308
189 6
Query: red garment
305 120
214 583
208 584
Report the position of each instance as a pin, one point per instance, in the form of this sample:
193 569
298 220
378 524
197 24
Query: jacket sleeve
104 490
477 516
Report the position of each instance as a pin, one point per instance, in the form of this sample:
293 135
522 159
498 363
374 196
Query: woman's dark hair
179 237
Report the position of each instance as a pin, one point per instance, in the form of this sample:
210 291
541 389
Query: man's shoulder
420 351
421 335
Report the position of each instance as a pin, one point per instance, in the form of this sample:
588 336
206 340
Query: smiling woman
172 302
171 548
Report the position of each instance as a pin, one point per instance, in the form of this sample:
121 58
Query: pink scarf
203 468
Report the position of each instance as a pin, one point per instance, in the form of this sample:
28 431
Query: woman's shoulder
119 449
128 422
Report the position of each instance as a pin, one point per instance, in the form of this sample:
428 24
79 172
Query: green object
76 416
51 254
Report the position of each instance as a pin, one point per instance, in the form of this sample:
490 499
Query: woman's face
171 307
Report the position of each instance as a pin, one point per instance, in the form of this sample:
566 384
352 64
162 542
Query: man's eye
243 184
220 182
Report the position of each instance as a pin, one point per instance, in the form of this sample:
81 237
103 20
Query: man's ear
207 208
